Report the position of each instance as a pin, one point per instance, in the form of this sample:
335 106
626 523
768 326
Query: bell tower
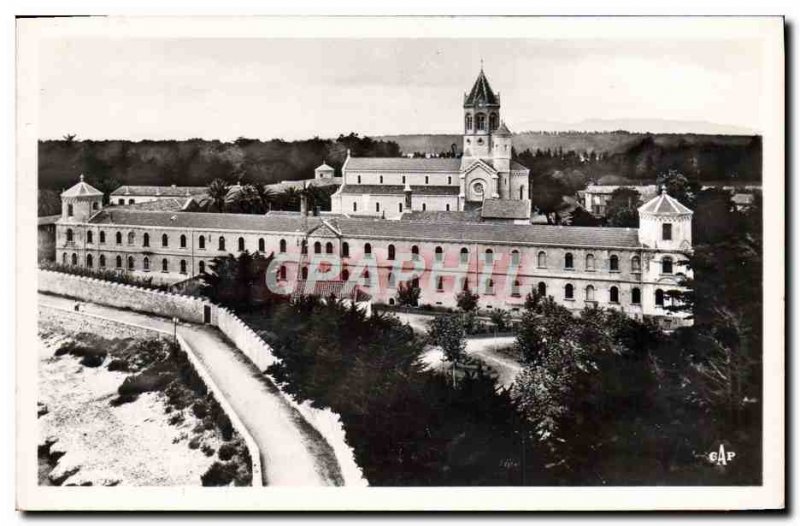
481 118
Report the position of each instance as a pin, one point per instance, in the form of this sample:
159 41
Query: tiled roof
506 209
324 167
645 190
326 289
664 204
204 220
481 93
48 220
82 190
389 189
403 164
298 185
170 204
466 232
161 191
438 216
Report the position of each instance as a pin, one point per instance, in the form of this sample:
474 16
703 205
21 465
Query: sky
224 88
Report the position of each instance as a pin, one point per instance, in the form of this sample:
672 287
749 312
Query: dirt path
484 349
293 453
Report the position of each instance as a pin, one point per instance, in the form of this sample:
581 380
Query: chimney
303 204
407 192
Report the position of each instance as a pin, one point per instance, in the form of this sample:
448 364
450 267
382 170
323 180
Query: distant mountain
654 126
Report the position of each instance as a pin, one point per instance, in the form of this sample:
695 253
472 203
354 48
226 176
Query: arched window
493 124
102 236
346 274
131 201
377 207
367 249
359 179
70 236
400 207
329 248
164 265
261 245
659 297
449 181
464 255
589 293
304 247
102 261
119 262
541 288
121 202
380 177
613 295
439 254
131 238
89 236
569 291
282 272
64 258
202 267
427 179
390 280
613 263
74 259
636 296
465 283
568 261
365 277
119 238
241 244
541 259
414 252
201 242
355 206
89 261
468 122
666 232
515 288
304 273
282 246
345 249
95 205
183 241
164 240
183 266
390 252
70 210
480 121
146 240
424 207
488 256
130 263
146 263
490 286
447 207
521 192
317 247
515 257
589 262
666 265
221 243
636 264
440 283
404 179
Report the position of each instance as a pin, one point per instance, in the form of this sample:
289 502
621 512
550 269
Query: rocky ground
125 411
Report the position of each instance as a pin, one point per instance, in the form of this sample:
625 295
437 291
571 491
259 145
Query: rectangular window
666 231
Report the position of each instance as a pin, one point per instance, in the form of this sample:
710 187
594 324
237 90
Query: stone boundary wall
190 309
79 321
123 296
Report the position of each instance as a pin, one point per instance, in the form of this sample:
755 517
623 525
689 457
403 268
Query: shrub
226 451
219 474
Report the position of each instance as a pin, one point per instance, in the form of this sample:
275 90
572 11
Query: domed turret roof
481 93
502 130
664 204
82 190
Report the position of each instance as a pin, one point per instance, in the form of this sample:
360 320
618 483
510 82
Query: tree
408 294
218 192
448 333
238 282
679 186
622 209
69 138
467 300
501 319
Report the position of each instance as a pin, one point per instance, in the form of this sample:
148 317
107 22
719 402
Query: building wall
390 205
46 243
397 178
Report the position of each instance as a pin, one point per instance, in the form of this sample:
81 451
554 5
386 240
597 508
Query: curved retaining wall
190 309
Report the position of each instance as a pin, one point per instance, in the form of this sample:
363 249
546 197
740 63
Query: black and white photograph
400 263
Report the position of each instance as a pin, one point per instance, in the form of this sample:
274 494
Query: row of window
131 263
480 121
427 179
399 207
71 208
201 241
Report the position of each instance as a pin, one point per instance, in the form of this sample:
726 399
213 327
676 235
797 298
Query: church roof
481 93
403 164
664 204
82 190
392 189
506 209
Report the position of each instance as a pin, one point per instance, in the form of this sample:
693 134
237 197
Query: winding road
293 453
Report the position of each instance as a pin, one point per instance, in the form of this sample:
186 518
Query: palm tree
265 196
218 192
